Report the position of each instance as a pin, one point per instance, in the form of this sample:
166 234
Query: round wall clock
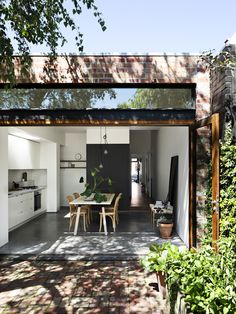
78 156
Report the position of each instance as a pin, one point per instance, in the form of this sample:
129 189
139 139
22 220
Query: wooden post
215 177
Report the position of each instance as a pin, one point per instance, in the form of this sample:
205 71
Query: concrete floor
48 236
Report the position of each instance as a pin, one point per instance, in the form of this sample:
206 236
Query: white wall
115 135
50 160
69 178
173 141
3 186
48 133
74 143
22 153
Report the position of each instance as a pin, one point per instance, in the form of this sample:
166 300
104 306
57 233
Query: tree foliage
147 98
25 23
213 61
53 98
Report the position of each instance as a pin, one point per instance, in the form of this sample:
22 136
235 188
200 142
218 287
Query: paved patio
34 286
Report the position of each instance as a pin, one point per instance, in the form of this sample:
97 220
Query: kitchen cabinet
21 208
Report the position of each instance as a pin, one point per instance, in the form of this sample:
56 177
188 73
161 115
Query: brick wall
223 86
124 69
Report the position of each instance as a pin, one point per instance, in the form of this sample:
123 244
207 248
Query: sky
156 26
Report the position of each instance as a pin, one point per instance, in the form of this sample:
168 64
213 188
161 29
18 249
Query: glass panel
203 185
97 98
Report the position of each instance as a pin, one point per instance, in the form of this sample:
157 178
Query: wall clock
78 156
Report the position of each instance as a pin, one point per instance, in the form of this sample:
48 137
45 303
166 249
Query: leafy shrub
207 279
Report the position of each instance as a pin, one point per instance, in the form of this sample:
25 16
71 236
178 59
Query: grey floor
48 237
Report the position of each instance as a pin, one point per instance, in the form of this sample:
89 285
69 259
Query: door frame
214 122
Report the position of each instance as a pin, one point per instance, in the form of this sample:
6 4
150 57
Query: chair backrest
76 195
69 199
116 205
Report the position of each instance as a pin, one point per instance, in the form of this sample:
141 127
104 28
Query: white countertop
24 191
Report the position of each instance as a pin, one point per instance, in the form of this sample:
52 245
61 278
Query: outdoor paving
33 286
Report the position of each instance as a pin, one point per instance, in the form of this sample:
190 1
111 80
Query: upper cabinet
23 153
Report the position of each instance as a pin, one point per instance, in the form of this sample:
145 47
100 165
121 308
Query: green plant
165 219
94 187
206 279
228 185
158 255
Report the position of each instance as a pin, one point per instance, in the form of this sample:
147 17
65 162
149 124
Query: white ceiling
27 132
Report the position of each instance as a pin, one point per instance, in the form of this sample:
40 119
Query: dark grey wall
116 165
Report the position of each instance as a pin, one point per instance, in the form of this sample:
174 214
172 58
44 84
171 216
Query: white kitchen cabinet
21 208
23 153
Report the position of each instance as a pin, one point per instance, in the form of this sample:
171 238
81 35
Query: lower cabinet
21 208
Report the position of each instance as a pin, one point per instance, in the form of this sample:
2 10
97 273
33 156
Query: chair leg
84 219
100 225
70 223
72 218
90 215
114 223
117 218
113 220
87 219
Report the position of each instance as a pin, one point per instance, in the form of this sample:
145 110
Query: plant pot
165 230
161 283
180 306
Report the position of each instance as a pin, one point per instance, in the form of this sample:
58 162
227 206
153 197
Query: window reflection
97 98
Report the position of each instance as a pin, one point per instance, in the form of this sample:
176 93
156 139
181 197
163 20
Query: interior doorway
136 169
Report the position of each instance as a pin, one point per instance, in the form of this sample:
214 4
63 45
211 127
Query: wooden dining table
83 200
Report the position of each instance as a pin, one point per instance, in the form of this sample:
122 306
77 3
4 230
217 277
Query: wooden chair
90 217
73 213
111 212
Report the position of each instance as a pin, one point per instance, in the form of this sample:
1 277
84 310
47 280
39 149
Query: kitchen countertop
14 193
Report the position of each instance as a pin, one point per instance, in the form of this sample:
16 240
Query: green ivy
207 279
228 185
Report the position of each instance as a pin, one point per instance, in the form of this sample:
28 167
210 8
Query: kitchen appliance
26 184
37 200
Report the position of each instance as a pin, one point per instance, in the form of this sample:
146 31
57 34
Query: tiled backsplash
39 176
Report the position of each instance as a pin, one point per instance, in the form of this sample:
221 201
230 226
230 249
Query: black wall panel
116 165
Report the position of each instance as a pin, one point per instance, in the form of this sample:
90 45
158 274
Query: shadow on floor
48 237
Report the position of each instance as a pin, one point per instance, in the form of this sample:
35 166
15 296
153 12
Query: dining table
84 200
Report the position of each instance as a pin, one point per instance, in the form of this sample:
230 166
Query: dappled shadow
132 239
92 287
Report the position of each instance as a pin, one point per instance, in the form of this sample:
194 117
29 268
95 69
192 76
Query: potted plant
165 225
94 187
157 259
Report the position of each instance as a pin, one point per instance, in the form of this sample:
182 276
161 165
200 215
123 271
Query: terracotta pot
161 283
165 230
